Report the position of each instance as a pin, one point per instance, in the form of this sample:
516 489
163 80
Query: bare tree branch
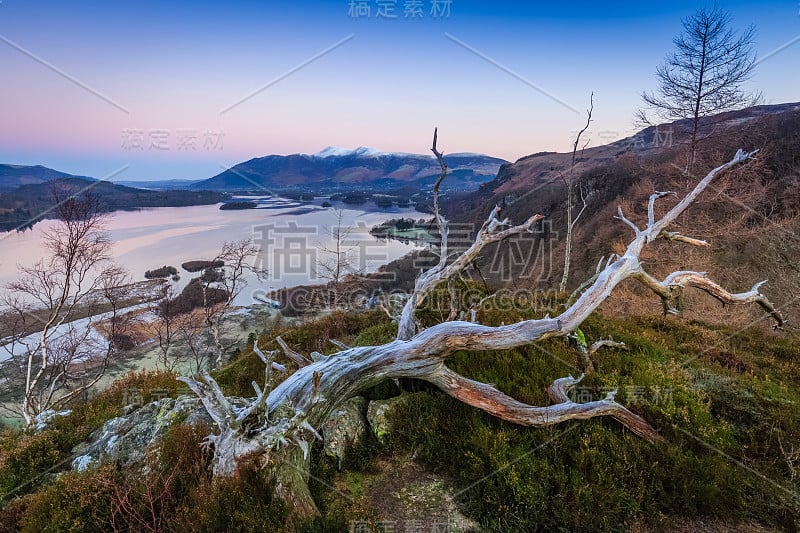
288 415
298 358
487 398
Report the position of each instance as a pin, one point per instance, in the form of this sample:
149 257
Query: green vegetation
594 475
725 404
356 198
713 410
403 229
27 460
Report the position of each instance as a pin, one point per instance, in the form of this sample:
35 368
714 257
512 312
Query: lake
294 239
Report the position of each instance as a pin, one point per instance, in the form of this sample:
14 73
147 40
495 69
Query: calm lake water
293 239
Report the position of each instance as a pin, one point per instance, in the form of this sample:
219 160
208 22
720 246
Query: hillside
13 176
654 142
363 168
25 205
751 218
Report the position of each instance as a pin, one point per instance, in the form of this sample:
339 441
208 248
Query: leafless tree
705 73
166 328
194 339
569 181
237 258
60 358
337 261
278 424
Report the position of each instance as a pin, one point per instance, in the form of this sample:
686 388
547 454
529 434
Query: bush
243 503
75 502
27 460
12 515
122 342
96 499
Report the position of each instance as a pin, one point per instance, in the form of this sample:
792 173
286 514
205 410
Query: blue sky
144 89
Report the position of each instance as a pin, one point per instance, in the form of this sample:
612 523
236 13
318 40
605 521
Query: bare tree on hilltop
570 182
705 73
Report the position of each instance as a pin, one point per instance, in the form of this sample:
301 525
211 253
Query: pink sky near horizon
175 71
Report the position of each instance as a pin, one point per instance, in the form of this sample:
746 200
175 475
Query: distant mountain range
331 169
25 191
25 205
363 169
159 185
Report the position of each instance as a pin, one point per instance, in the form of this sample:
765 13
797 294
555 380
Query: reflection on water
292 240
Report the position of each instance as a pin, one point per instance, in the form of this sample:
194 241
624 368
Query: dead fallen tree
277 426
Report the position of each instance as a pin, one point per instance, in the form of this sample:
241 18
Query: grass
721 455
727 407
28 460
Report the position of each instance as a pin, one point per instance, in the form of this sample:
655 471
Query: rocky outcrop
126 439
345 427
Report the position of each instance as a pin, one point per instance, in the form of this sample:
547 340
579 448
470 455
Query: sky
144 90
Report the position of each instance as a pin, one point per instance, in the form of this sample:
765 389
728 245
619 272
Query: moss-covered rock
379 414
346 427
126 439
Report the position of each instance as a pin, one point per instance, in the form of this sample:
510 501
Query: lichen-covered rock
345 427
377 412
125 439
45 417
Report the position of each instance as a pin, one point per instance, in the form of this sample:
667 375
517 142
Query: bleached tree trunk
283 420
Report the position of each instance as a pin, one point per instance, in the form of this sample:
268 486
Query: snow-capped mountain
360 168
362 151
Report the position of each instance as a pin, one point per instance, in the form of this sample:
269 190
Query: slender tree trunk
570 183
698 100
568 243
